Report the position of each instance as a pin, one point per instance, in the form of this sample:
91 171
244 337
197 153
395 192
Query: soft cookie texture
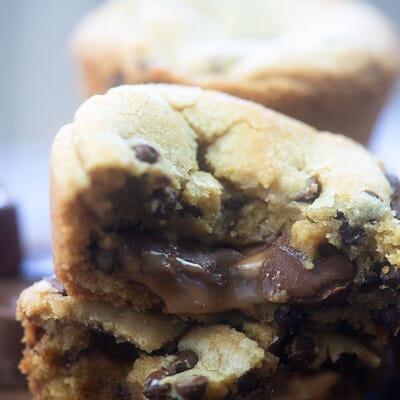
163 184
76 349
236 252
252 249
300 57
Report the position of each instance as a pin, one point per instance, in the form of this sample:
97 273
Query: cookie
216 211
293 56
195 202
77 349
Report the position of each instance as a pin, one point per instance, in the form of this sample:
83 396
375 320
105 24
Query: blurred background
40 93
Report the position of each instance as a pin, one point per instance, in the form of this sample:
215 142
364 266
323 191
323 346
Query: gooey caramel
193 279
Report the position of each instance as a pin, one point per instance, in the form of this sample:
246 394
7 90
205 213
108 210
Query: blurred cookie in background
301 58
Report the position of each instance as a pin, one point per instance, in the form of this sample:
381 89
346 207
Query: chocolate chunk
153 389
162 203
56 285
184 360
146 153
301 351
289 318
124 352
192 387
284 278
350 235
390 276
311 191
390 319
194 261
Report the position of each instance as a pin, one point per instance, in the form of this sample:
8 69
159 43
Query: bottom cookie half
89 350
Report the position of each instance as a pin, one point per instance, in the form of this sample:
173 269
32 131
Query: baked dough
328 63
153 171
83 350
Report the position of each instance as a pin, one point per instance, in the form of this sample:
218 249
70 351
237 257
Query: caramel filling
191 278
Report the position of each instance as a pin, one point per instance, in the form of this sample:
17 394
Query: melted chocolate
194 279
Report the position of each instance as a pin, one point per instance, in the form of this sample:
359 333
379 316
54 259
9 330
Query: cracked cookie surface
230 203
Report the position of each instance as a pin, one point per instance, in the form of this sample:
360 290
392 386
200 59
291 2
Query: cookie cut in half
79 349
300 57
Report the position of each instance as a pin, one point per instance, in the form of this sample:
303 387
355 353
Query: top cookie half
199 202
329 63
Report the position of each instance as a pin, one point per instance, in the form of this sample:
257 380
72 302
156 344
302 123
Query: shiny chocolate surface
192 278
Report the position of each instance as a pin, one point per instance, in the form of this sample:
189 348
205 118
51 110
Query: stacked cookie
208 248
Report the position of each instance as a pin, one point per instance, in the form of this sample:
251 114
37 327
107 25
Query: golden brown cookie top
185 164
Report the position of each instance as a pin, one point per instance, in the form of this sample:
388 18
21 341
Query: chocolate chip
350 235
311 191
300 351
390 276
146 153
373 194
192 387
184 360
162 203
104 260
285 279
56 285
233 204
289 318
153 389
390 319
